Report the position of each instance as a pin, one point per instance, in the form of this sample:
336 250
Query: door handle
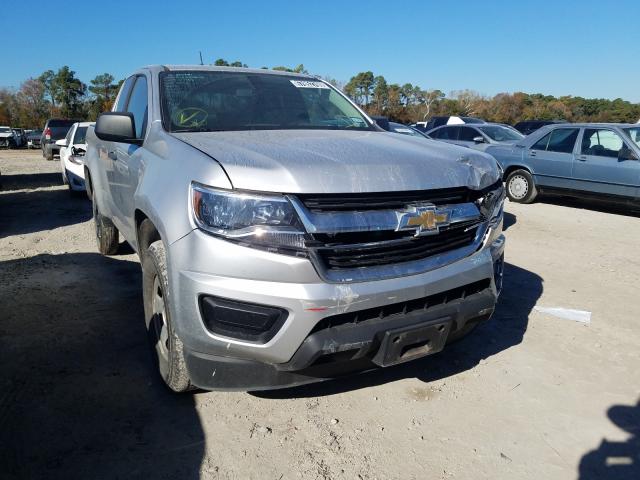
532 153
582 158
112 155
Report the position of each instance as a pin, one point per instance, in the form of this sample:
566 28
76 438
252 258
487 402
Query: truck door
126 165
106 150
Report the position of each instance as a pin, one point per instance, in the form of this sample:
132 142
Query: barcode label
308 84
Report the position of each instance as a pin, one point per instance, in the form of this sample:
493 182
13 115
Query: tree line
57 94
409 103
62 94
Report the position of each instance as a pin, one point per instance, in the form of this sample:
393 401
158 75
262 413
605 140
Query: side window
542 143
436 134
80 136
601 142
467 134
121 101
138 106
448 133
563 140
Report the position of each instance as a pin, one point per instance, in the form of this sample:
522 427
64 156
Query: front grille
403 308
347 251
318 203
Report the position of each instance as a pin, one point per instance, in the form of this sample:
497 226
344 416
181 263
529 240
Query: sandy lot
527 396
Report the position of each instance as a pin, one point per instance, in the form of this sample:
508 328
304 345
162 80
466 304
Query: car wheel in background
521 187
106 232
167 348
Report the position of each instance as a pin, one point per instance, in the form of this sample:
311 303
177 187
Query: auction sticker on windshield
308 84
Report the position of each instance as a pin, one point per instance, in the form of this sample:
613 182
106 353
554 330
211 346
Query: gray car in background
284 237
478 136
591 160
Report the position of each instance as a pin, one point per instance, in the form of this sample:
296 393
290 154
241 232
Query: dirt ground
527 396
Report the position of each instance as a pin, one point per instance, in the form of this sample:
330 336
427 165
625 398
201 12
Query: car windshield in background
5 130
500 133
634 133
80 136
200 101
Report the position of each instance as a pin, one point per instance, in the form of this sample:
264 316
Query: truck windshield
200 101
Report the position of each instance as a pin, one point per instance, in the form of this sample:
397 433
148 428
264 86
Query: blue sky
581 48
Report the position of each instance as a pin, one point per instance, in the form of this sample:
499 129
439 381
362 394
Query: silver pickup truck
285 238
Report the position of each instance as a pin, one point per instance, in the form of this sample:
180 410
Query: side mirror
117 127
478 139
626 153
61 142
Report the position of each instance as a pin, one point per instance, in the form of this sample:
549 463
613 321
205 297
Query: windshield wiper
191 130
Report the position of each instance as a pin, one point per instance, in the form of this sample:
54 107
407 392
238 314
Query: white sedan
72 150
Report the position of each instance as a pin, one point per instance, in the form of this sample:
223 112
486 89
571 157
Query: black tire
520 187
166 348
106 232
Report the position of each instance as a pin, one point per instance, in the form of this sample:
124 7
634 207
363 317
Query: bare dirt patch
526 396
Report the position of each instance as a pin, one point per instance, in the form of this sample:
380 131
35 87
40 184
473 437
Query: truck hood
330 161
6 134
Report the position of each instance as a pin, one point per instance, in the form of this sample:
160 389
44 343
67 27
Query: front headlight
492 202
264 221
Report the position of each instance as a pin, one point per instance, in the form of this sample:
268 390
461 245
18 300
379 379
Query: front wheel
520 187
106 231
167 348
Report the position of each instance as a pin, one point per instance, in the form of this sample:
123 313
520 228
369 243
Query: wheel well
146 231
512 168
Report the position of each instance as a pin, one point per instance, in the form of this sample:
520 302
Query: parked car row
595 161
12 137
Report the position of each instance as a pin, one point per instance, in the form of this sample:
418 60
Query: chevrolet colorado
284 238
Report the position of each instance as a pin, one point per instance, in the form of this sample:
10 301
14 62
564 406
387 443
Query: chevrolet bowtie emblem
424 219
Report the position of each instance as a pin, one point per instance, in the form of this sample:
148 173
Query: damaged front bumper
328 329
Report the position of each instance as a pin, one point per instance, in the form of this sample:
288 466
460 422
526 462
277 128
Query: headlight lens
268 221
491 204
